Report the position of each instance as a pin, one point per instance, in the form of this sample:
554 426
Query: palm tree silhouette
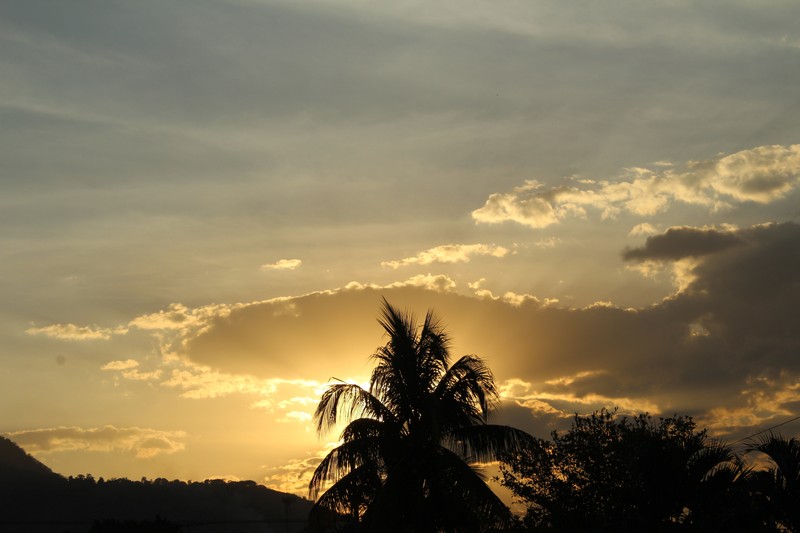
410 454
780 483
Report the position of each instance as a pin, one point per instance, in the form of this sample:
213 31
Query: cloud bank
762 175
144 442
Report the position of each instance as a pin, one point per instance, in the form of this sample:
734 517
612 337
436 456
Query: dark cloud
678 243
538 423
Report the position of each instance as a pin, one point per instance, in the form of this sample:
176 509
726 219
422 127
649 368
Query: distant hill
15 463
34 499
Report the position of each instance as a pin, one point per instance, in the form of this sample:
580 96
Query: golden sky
203 203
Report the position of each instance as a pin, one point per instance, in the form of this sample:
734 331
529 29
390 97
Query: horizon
204 203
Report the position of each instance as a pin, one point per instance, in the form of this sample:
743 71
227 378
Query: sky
203 203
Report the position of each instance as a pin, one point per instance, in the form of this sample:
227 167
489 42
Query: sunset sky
204 201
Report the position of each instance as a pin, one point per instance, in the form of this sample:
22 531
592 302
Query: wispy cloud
180 317
199 382
294 476
144 442
73 332
120 365
510 297
432 282
563 395
762 175
449 253
129 369
283 264
645 228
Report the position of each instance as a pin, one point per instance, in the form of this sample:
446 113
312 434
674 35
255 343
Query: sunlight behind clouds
203 205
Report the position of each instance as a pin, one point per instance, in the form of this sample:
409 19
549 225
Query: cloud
199 382
681 242
645 228
177 317
565 395
120 365
294 476
303 417
283 264
144 442
765 400
763 174
76 333
521 205
550 242
136 375
449 253
180 317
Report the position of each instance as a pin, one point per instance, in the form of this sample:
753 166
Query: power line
765 430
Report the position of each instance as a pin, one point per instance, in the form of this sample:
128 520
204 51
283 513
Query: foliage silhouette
779 484
410 452
631 474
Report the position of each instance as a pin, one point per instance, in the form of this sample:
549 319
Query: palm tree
780 483
721 495
409 456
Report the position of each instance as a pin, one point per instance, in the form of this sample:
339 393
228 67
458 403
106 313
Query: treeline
610 473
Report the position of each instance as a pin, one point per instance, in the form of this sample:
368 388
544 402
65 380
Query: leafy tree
610 473
409 455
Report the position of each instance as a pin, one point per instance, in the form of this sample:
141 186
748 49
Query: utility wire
765 430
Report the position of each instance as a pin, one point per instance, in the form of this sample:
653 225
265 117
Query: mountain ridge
15 461
38 500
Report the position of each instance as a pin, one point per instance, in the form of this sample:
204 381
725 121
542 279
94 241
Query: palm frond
348 401
784 454
465 494
485 443
466 393
343 459
362 428
351 494
713 456
434 343
400 327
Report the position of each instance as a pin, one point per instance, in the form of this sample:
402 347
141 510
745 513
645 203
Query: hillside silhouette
35 499
15 463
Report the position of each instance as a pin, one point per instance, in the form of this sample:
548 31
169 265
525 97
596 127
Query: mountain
34 499
16 464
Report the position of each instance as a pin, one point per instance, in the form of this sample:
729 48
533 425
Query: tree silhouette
619 474
780 483
409 455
